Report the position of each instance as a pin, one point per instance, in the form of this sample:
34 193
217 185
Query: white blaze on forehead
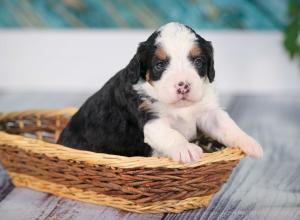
176 39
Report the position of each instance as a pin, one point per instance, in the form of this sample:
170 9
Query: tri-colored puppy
156 104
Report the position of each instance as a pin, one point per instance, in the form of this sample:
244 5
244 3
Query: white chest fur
184 121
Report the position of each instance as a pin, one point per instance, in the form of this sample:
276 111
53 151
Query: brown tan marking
161 54
195 51
145 106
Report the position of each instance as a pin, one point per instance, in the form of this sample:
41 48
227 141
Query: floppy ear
209 52
210 63
133 70
136 67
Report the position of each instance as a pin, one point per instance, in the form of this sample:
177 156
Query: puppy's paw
186 153
249 146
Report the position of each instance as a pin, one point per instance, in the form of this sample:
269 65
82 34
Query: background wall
246 61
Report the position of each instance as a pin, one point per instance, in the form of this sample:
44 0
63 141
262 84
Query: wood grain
264 189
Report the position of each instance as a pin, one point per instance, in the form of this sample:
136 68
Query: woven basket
138 184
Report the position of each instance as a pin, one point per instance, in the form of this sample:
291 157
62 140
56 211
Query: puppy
156 104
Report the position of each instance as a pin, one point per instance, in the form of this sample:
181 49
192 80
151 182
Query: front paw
186 153
249 146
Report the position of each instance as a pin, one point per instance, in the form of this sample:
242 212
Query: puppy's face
177 63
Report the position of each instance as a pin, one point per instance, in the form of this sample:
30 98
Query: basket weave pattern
131 183
40 124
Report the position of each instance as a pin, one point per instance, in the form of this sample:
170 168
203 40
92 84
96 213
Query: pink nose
183 87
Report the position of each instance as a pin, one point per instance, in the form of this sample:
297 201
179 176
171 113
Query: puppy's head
176 63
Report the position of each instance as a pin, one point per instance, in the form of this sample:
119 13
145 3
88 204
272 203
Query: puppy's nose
183 87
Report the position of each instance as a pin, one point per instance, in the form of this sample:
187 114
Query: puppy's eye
160 65
198 62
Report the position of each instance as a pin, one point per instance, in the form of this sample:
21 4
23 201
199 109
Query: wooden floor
264 189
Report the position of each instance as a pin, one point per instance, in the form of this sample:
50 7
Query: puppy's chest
184 121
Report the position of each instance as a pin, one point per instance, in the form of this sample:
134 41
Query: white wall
85 59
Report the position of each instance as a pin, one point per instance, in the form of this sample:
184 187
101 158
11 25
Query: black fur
208 53
110 120
145 53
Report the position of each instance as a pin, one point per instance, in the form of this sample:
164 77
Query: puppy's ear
136 67
133 70
210 63
209 53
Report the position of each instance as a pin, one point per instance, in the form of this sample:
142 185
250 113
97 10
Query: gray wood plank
5 184
25 204
20 101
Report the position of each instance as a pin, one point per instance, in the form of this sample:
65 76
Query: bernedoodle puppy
156 104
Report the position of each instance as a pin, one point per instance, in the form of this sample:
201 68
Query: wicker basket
138 184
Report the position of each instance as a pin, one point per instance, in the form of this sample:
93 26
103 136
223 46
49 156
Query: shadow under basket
138 184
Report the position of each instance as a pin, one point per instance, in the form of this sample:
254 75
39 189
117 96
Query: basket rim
93 158
45 112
